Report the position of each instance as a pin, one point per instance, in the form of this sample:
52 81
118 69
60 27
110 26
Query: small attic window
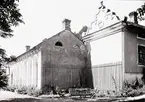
58 44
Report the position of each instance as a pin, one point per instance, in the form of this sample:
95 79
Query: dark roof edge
118 26
134 24
121 22
36 46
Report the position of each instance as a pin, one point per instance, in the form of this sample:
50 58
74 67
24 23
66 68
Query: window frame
142 45
140 37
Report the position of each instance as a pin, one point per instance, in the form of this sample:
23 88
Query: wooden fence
108 76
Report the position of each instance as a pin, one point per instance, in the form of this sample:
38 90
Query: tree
3 78
140 12
9 16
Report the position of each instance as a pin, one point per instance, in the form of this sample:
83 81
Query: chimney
45 39
27 47
66 24
133 17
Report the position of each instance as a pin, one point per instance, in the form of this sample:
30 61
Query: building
103 59
117 54
58 61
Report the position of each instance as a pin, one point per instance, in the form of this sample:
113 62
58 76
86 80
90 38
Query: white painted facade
107 49
26 71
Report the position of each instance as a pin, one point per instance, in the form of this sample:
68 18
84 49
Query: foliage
10 88
133 88
141 11
9 16
3 60
134 84
47 89
114 82
3 78
130 92
143 73
32 91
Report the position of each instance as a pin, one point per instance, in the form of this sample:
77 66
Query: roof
114 28
38 46
135 28
129 25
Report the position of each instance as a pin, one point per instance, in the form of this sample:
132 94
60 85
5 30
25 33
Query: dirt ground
7 96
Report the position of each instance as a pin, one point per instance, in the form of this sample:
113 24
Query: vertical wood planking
108 76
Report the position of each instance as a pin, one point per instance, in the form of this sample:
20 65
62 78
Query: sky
43 19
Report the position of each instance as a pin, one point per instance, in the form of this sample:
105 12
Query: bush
133 88
24 90
134 84
47 89
3 78
10 88
143 73
21 90
33 91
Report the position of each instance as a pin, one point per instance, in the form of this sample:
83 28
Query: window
141 55
141 36
58 44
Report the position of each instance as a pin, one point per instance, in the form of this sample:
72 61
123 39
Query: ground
7 96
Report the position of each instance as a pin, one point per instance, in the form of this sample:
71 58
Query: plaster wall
63 66
131 42
130 77
107 49
106 57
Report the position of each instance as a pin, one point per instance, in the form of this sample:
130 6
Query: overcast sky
43 19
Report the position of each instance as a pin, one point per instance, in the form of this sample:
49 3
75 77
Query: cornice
110 30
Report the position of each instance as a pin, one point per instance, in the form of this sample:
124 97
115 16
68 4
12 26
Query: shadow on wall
86 79
86 73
